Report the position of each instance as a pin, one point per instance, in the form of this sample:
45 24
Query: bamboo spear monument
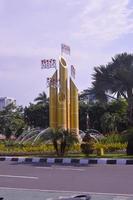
63 105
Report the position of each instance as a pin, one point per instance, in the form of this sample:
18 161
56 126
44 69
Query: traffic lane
21 194
96 178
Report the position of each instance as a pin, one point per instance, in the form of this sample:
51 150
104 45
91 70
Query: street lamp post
87 121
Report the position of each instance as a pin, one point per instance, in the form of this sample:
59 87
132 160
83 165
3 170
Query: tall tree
37 115
11 120
116 78
41 99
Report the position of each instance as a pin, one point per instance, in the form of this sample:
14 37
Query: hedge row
10 147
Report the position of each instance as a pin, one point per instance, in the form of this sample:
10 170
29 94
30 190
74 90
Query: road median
68 161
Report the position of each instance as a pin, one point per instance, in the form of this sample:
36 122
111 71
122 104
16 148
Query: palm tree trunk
56 147
62 148
130 106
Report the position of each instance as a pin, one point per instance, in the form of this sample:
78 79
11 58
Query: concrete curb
69 161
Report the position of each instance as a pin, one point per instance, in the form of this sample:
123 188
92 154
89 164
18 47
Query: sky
32 30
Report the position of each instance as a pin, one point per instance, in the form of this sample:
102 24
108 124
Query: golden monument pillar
53 101
68 109
63 109
62 96
74 108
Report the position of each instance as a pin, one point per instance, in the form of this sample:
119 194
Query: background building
5 101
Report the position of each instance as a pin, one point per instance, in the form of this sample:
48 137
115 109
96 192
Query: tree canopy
41 99
11 120
116 80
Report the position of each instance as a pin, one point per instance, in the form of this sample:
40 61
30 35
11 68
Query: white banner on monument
48 63
53 82
73 71
65 49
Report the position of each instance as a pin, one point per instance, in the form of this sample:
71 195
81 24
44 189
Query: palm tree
61 139
116 78
41 99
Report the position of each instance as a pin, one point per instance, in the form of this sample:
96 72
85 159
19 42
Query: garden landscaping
110 150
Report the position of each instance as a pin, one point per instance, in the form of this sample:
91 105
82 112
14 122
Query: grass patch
8 148
69 155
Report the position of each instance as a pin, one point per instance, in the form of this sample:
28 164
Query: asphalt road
113 179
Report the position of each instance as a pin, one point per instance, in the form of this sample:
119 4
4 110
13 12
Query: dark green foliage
86 148
129 138
61 139
83 111
96 110
37 115
108 117
130 147
11 121
112 138
87 145
116 78
41 99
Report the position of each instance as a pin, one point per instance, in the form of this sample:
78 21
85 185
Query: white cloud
104 20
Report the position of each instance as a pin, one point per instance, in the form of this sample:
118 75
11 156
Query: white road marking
63 191
12 176
62 168
61 197
49 199
120 198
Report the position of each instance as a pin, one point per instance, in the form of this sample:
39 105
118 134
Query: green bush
130 147
87 148
110 147
75 148
112 138
129 138
12 147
